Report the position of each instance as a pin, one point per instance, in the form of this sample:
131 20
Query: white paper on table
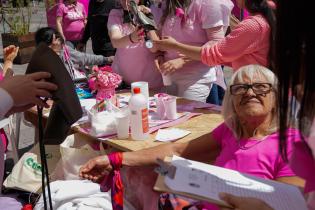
171 134
87 103
208 181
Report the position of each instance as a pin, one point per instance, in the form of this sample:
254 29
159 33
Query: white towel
77 195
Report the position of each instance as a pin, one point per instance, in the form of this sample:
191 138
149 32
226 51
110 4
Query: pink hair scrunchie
113 181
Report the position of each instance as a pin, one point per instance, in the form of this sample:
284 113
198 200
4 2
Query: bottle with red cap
139 115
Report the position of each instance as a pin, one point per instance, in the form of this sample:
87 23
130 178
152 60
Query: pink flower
104 78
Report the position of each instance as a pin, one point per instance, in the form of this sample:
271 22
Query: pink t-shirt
260 158
73 18
303 164
134 62
201 15
248 43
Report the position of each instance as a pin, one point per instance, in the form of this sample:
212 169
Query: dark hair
46 35
261 7
295 64
171 6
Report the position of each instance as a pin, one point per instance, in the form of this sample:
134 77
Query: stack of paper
207 181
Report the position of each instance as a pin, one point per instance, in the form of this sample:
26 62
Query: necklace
243 147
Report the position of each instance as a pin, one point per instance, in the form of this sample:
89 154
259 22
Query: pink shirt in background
73 18
260 158
247 44
303 164
201 15
134 62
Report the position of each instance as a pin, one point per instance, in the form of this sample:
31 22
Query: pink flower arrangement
104 81
104 78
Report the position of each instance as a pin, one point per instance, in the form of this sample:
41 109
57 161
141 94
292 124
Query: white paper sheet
208 181
171 134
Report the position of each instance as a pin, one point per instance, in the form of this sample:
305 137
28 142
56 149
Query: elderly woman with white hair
247 140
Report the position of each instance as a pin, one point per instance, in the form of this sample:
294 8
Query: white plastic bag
102 123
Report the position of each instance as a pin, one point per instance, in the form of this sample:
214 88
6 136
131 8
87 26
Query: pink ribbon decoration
179 12
113 181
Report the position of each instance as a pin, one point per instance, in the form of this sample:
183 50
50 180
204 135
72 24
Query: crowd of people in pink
162 52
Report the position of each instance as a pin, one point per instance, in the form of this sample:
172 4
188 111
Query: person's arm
293 180
59 14
86 33
244 203
6 102
153 35
59 27
120 41
85 59
194 52
32 84
244 39
205 149
9 54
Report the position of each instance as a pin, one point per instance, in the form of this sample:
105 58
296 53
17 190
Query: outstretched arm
202 149
194 52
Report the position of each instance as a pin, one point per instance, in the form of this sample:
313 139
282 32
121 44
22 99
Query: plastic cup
160 110
167 80
170 108
122 124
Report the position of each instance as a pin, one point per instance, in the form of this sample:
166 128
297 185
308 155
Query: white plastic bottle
139 116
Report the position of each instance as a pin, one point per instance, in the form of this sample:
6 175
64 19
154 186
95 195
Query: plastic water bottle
139 119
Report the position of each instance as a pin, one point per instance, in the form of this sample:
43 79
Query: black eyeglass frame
251 86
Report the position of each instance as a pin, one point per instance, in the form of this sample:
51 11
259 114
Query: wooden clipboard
160 186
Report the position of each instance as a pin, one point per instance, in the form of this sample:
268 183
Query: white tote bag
26 174
75 151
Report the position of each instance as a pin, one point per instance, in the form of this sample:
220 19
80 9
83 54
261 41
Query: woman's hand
96 168
137 35
158 61
167 43
171 66
33 84
144 9
9 53
244 203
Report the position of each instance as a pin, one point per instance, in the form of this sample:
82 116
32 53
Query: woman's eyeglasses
258 88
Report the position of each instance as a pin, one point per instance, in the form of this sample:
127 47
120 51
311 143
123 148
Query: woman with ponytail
250 42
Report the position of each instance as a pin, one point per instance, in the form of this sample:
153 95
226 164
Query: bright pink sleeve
60 10
283 168
242 40
219 132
